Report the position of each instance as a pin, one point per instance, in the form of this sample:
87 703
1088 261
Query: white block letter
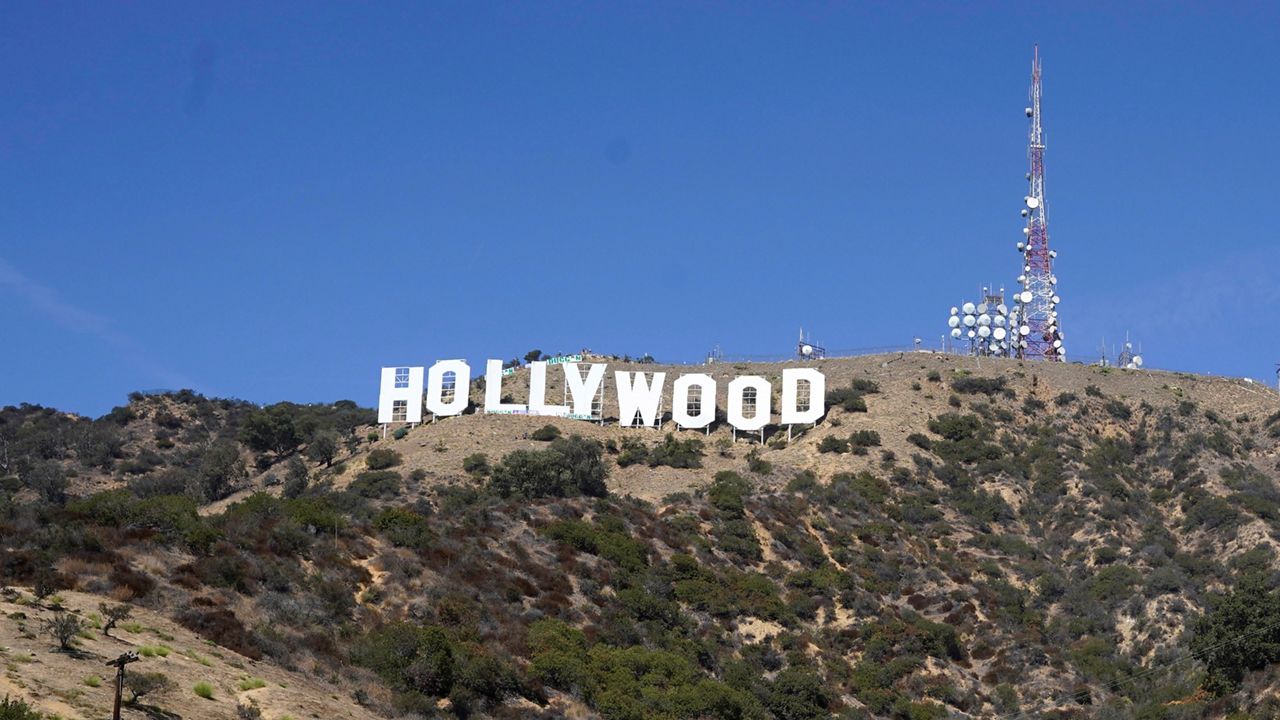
400 385
680 400
538 393
461 387
642 396
763 400
583 391
791 379
493 391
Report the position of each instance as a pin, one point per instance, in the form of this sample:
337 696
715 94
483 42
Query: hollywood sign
443 390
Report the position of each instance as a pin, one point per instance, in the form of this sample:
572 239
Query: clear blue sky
272 200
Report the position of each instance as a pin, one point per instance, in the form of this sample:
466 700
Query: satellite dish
1002 309
1028 176
806 350
1057 343
1024 330
998 321
1033 203
984 320
1028 111
968 308
969 320
954 310
1000 333
1026 231
1025 297
1026 268
955 332
1137 361
984 331
1022 246
1022 279
953 321
982 308
1056 299
1025 212
1053 253
972 334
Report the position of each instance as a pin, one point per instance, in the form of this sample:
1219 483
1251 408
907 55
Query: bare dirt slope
62 683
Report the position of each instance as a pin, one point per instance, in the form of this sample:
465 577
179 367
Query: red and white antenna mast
1037 303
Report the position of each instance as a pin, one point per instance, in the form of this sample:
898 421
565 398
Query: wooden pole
119 664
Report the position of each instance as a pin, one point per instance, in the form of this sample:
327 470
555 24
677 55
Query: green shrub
382 458
557 654
864 438
400 433
833 444
410 658
251 683
632 452
677 453
476 464
404 528
569 467
204 690
546 433
969 385
17 709
1240 633
377 484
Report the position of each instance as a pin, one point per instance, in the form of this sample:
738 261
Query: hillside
954 539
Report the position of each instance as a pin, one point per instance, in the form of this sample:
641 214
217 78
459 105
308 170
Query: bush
557 654
64 627
140 683
677 453
571 466
476 464
546 433
251 683
204 690
1241 633
382 458
864 438
323 447
969 385
409 658
833 444
371 484
633 452
17 710
920 440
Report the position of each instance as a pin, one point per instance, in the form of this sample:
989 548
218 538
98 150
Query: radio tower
1037 303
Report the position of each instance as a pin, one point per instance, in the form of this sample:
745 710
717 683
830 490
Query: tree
533 356
48 481
44 585
296 478
323 447
271 429
146 683
1241 633
112 614
64 627
220 470
570 466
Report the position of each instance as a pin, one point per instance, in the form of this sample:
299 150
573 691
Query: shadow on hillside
153 712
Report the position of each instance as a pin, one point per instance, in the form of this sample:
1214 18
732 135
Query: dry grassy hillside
955 538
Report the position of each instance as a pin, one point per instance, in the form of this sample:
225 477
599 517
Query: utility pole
119 664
